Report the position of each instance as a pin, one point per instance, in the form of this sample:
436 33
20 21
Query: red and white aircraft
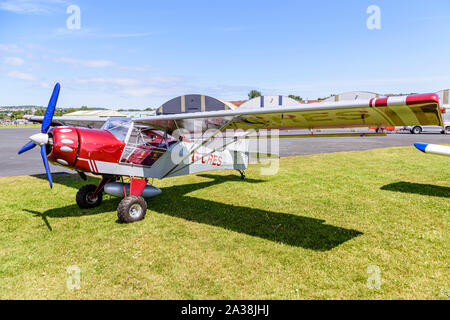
152 147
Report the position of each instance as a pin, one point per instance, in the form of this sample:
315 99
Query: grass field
19 126
311 232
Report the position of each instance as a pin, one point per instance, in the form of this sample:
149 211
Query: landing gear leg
242 172
91 196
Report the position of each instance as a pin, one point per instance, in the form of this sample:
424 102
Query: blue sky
142 53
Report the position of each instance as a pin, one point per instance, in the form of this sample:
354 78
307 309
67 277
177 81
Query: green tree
298 98
39 112
71 110
324 98
254 94
17 115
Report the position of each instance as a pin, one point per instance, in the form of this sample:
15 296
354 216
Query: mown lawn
310 232
19 126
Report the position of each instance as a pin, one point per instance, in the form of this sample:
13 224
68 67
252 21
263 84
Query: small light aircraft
150 147
433 148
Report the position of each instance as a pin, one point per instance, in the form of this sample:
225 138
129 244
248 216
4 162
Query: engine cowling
64 144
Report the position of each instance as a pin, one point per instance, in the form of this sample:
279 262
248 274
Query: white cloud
22 76
31 6
158 85
14 61
117 81
87 63
64 32
165 79
126 35
231 29
141 92
11 48
137 68
108 63
97 33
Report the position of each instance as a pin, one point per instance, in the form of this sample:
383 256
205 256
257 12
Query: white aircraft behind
433 148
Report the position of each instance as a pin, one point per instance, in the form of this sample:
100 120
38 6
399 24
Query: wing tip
422 98
421 146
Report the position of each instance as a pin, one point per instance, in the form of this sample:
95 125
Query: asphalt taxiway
29 163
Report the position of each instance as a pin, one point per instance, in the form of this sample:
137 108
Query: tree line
255 93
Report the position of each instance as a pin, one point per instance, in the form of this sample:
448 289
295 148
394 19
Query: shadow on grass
43 216
294 230
66 178
418 188
74 211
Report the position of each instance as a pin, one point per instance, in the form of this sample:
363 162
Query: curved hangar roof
193 103
353 95
269 101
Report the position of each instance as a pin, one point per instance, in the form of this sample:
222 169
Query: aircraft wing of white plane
433 148
393 111
410 110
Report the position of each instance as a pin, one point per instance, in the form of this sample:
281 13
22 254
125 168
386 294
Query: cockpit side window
145 146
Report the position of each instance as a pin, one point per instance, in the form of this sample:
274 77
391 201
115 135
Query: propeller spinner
42 138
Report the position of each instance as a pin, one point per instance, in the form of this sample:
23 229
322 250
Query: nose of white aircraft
39 138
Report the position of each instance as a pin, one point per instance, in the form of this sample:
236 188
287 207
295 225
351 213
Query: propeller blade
30 145
46 165
48 117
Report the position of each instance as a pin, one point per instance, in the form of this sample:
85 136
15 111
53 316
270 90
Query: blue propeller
30 145
48 117
42 138
47 167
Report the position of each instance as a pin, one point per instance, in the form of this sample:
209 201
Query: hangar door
193 103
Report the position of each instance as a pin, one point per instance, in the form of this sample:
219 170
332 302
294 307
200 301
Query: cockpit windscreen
118 127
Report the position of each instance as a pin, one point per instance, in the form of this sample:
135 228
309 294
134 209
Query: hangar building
269 101
193 103
444 97
353 95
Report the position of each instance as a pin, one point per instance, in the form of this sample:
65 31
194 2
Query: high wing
409 110
85 122
393 111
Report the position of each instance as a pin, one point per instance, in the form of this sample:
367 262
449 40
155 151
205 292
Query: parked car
383 129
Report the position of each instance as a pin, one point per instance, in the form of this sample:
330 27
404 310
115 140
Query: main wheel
416 130
85 199
132 209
